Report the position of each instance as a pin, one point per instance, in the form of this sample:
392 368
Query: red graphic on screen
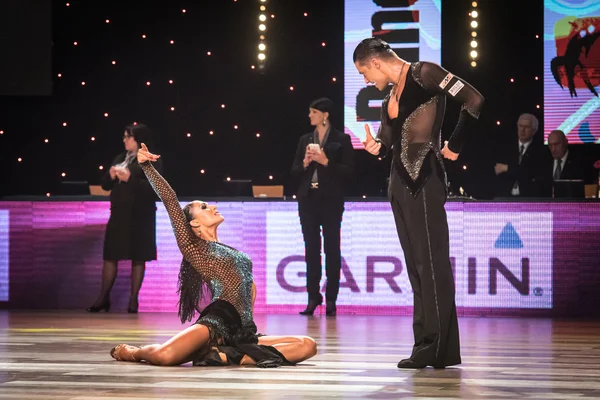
578 65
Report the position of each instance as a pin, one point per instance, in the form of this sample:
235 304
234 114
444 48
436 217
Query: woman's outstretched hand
144 155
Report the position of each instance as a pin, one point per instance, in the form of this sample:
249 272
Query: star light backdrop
191 71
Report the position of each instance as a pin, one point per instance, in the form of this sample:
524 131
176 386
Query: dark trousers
316 211
423 231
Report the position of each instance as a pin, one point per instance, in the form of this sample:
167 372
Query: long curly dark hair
191 284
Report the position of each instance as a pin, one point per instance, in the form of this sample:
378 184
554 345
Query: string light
105 115
189 134
101 168
170 81
202 171
113 62
497 122
172 42
75 43
258 135
82 83
19 159
537 106
323 44
464 167
184 11
47 194
306 14
364 196
1 132
536 78
148 83
64 124
143 36
512 80
93 139
46 140
208 53
294 196
235 127
172 108
228 179
63 174
252 67
271 177
59 75
474 24
211 132
272 16
108 21
291 88
334 79
68 4
222 105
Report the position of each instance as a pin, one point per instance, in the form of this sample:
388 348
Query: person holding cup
131 229
323 164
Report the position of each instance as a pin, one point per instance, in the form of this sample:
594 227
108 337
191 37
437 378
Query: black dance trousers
422 228
317 210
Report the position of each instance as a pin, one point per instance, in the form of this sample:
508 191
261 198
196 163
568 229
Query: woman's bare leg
294 348
180 349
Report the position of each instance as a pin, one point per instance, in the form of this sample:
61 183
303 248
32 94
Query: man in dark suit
564 164
520 167
324 161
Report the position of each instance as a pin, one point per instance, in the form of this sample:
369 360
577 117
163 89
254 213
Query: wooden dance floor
64 355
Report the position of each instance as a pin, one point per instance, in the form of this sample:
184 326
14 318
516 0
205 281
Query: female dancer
225 333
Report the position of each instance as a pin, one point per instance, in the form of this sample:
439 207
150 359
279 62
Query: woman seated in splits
225 333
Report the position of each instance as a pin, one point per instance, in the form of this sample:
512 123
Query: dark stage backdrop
26 47
185 69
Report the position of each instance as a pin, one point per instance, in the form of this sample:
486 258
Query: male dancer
411 121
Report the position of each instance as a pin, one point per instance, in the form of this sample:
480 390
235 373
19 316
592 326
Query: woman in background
131 229
323 164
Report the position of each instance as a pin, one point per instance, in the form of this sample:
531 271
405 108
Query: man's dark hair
372 47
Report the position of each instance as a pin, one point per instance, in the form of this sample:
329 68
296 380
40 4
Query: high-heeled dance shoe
105 307
123 352
311 307
330 309
133 310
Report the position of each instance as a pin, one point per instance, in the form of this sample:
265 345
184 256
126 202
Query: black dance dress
227 273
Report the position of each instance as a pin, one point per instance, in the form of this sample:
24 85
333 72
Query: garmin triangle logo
509 238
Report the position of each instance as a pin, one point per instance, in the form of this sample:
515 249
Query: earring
324 122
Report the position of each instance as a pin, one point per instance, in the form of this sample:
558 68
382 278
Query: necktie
558 170
521 152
